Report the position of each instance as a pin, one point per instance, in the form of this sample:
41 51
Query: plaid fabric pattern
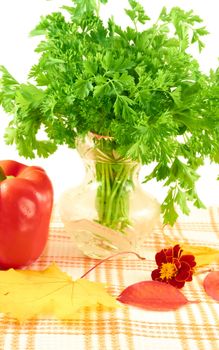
194 327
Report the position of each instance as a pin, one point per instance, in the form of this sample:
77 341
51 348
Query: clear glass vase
109 212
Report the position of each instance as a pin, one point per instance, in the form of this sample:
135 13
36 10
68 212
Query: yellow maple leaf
26 294
203 255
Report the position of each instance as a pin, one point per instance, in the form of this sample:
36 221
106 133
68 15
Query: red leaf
211 285
153 295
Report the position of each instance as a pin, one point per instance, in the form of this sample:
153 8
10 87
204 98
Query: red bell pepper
26 200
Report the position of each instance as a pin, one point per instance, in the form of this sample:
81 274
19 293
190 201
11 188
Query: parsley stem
98 8
115 183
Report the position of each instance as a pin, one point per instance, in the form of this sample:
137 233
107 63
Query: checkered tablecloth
193 327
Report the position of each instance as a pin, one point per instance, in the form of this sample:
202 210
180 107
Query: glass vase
109 212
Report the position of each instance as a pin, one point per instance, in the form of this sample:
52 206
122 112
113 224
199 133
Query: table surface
194 326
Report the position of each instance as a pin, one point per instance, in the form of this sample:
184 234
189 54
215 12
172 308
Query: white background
19 17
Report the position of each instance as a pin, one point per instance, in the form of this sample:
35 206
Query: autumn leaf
153 295
211 285
26 294
203 255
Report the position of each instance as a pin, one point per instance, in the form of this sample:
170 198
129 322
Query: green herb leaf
137 13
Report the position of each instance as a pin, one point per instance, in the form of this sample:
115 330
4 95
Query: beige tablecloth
195 326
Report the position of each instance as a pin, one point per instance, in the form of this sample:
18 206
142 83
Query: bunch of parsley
140 87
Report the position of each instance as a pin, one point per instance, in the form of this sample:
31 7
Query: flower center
168 270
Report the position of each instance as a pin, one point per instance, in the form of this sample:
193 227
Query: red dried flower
174 267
